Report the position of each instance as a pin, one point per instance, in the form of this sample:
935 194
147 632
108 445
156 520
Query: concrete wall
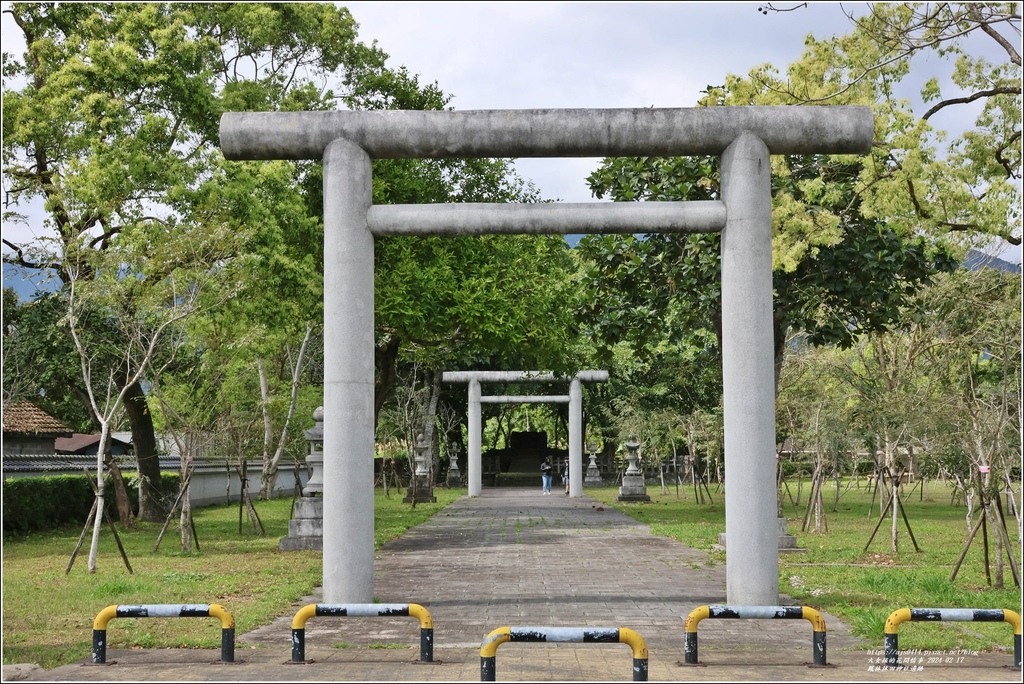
211 483
36 445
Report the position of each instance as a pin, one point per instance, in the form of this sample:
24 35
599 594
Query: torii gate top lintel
669 132
522 376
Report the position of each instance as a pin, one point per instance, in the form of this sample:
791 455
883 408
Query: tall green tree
846 229
836 272
111 115
947 156
144 290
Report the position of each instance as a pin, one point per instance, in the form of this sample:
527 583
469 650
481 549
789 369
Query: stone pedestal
787 541
633 486
424 492
306 529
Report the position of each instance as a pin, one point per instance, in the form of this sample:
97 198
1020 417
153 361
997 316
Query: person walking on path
565 475
545 476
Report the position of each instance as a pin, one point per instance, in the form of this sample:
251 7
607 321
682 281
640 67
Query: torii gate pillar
748 375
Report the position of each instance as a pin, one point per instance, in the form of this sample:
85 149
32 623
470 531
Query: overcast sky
540 55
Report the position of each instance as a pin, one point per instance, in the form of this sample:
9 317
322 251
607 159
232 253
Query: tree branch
971 98
995 35
1003 161
20 260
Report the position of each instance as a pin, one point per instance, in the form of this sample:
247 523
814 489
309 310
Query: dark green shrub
33 504
40 503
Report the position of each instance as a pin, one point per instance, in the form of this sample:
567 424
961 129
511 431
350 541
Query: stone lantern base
424 492
633 488
593 476
787 542
306 529
454 475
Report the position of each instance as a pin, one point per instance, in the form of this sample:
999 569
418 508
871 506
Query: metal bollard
362 610
589 635
898 617
755 613
99 625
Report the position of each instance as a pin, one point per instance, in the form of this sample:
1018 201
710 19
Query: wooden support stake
963 554
81 538
1006 542
881 519
174 507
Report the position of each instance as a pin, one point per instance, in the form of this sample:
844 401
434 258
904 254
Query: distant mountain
26 282
977 260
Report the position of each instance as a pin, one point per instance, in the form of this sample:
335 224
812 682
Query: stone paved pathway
514 557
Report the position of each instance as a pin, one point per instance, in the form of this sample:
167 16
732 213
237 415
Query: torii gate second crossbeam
575 399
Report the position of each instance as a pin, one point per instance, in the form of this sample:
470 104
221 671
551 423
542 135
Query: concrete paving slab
513 557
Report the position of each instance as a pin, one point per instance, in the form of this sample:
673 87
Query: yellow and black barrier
164 610
586 635
755 613
898 617
362 610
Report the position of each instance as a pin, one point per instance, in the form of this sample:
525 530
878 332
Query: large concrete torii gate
574 399
346 141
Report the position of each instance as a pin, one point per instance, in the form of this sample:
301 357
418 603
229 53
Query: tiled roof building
29 431
24 418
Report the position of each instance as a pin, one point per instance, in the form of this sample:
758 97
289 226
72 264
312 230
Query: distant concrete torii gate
574 399
744 137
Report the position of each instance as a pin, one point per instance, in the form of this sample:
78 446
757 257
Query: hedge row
33 504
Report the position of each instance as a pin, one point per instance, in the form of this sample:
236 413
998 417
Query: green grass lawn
47 615
837 576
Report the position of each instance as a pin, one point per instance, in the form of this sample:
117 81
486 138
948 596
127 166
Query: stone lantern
315 437
306 528
454 476
633 486
593 476
422 489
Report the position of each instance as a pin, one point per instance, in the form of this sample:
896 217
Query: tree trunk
385 360
271 462
97 522
995 525
779 328
433 380
151 494
895 494
185 522
124 506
